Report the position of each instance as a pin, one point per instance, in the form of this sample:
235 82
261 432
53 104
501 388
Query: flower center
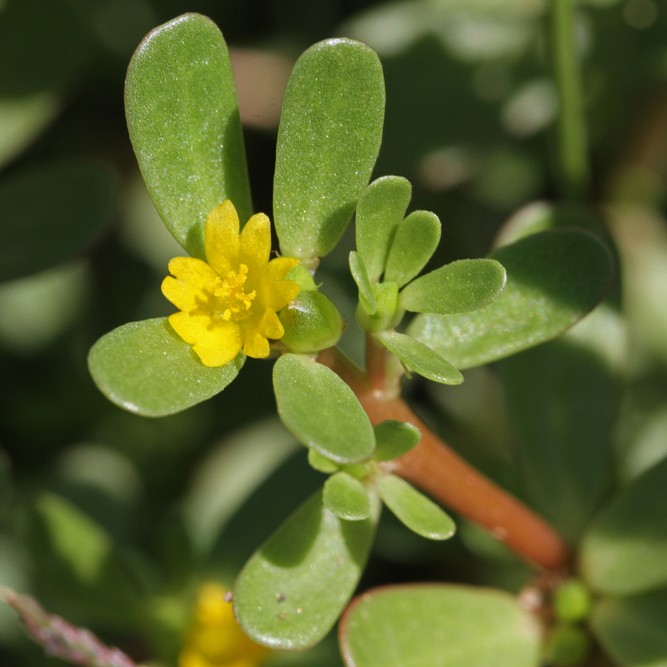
229 300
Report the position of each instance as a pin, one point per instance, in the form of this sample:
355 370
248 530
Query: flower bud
311 322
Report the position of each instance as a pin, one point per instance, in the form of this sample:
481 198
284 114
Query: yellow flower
228 304
215 638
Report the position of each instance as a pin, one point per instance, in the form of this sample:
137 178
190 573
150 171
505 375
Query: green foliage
632 628
328 141
50 213
346 497
455 626
553 279
414 509
380 209
183 118
623 552
394 438
144 367
321 411
292 590
416 239
460 287
419 358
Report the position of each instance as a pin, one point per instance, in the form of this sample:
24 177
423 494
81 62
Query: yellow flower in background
215 638
228 303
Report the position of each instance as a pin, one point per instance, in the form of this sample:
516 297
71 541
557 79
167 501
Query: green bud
386 311
572 601
311 322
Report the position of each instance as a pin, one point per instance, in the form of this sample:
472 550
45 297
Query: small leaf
415 510
50 213
183 118
416 240
625 548
346 497
311 321
380 209
459 287
360 275
321 411
321 463
425 625
554 279
328 141
632 629
144 367
395 438
419 358
290 593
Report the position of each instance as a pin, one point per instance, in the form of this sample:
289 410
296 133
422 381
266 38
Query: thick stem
572 148
442 473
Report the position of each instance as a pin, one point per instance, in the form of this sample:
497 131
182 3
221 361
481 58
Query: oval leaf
183 118
328 141
395 438
415 241
459 287
632 629
415 510
428 625
49 214
346 497
380 209
291 592
554 278
360 275
625 549
144 367
419 358
321 411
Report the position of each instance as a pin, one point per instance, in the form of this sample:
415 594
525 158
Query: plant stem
572 148
442 473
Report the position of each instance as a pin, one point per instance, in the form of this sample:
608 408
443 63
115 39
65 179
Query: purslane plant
235 302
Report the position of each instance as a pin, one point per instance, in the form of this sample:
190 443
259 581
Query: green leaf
553 279
416 240
346 497
76 561
625 549
564 418
328 140
360 275
632 629
426 625
290 593
183 118
459 287
321 463
50 213
395 438
419 358
144 367
380 209
321 411
415 510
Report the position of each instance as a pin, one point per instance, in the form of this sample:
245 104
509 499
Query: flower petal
216 345
256 345
185 289
256 240
279 267
221 238
270 326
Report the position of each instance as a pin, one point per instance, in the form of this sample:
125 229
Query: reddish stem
442 473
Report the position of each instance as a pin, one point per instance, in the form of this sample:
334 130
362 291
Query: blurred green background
469 120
